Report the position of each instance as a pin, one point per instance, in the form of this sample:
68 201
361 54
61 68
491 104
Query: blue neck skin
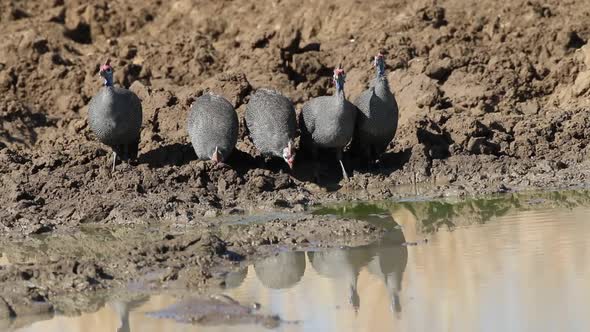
108 79
380 69
381 87
339 84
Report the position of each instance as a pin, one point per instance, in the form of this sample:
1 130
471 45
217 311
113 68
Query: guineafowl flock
326 122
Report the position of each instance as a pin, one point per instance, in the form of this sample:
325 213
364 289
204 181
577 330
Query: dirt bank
493 97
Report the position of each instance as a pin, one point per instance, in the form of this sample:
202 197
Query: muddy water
510 263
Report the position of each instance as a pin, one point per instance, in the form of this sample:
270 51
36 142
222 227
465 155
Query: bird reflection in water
344 264
389 263
282 270
123 308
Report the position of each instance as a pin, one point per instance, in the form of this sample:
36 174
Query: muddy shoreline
64 271
75 272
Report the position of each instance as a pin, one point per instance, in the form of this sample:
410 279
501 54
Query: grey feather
329 121
271 120
213 123
115 116
377 117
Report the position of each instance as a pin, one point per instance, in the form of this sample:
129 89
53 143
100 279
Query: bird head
216 156
106 72
289 155
379 64
339 78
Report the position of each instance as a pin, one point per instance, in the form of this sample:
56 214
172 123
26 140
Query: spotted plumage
377 118
115 116
272 124
213 127
328 121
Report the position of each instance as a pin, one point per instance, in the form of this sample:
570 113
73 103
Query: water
506 263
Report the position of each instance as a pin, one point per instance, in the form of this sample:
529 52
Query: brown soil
493 96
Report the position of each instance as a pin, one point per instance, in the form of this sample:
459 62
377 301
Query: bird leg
316 164
114 161
354 299
125 153
339 156
397 307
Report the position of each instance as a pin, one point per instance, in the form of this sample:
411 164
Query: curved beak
290 161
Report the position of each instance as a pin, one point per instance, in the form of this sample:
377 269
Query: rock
530 107
281 203
413 91
7 80
434 15
308 66
439 69
282 182
586 55
582 84
262 183
140 90
480 145
233 86
211 213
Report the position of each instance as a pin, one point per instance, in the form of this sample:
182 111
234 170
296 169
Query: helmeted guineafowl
213 127
272 124
377 118
328 122
115 115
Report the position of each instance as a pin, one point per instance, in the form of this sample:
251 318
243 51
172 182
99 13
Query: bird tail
305 139
127 151
355 145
